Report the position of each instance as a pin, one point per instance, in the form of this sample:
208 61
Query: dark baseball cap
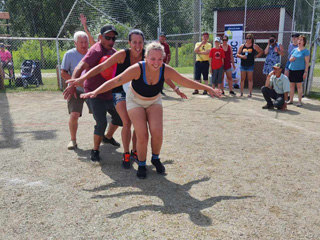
295 35
108 28
277 65
163 34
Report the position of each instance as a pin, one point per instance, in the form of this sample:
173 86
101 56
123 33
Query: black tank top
141 85
251 52
123 66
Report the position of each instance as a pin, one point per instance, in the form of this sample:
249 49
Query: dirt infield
234 171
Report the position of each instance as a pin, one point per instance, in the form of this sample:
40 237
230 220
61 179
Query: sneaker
94 156
232 93
195 92
126 161
205 92
249 95
241 94
268 107
299 104
289 103
72 145
159 167
142 172
134 156
112 141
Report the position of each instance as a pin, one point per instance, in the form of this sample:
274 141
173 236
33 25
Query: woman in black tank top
247 53
143 101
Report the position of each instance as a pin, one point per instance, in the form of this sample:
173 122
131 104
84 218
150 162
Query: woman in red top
227 64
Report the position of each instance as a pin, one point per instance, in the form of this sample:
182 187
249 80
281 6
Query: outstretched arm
186 82
175 88
83 20
129 74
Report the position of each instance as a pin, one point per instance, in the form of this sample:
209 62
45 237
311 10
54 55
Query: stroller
30 74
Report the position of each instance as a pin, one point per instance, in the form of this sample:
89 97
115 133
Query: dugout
261 22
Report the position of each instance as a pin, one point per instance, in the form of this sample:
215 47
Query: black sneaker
195 92
142 172
159 167
111 141
232 93
94 156
268 107
134 156
126 161
205 92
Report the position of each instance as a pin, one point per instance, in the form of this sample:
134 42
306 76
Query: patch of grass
49 84
184 70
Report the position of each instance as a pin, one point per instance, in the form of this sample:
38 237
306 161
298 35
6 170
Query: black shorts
296 76
201 68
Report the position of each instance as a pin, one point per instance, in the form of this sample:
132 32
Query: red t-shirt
92 58
217 55
166 50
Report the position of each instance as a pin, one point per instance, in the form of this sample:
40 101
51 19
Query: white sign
234 33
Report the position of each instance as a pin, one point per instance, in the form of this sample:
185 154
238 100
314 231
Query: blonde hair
154 46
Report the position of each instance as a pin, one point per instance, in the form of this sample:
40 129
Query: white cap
217 39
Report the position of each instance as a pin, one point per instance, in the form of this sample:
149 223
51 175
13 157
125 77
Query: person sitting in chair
6 60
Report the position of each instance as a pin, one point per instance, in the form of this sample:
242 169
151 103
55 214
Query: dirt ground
234 171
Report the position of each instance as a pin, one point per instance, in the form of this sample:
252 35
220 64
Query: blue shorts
228 70
247 69
118 97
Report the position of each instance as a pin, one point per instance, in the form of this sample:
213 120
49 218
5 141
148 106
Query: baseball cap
277 65
295 35
1 45
163 34
108 28
217 39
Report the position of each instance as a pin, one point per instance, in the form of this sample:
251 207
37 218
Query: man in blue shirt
277 87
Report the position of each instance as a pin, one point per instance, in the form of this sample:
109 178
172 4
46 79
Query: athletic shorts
135 102
296 76
118 97
216 77
201 68
76 104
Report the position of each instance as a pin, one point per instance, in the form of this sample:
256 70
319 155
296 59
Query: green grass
184 70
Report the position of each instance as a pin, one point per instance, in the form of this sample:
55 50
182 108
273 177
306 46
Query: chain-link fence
182 20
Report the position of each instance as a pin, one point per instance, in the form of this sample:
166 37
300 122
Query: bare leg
138 118
292 88
126 128
229 78
73 125
243 79
250 82
155 121
111 130
96 141
299 86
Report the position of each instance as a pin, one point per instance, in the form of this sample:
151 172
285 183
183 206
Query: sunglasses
248 38
109 38
225 40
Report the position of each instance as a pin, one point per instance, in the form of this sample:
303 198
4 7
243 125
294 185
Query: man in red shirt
167 58
6 60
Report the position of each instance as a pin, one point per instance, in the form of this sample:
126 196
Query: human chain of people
128 84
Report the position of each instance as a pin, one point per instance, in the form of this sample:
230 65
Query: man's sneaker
232 93
94 156
159 167
134 156
195 92
205 92
111 141
142 172
126 161
268 107
72 145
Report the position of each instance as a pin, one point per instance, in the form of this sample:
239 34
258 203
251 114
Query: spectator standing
167 57
103 102
273 51
227 68
298 68
69 62
292 45
216 57
277 87
247 53
202 50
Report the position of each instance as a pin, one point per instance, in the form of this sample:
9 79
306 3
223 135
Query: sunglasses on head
109 38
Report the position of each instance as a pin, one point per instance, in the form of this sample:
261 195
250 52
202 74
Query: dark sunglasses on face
248 38
109 38
224 40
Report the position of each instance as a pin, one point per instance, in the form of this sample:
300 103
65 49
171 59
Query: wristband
176 88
